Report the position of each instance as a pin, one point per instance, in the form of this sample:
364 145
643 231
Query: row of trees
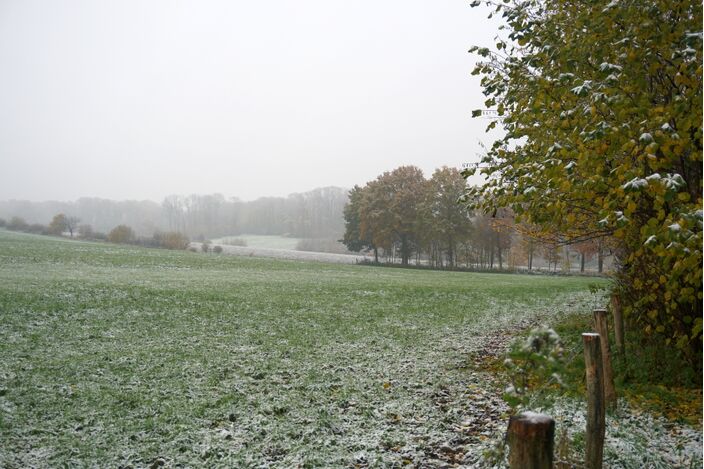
403 216
402 213
314 214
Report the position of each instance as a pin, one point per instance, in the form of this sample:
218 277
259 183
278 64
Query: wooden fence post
596 419
602 328
618 325
530 439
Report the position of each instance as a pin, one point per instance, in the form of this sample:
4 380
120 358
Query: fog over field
140 100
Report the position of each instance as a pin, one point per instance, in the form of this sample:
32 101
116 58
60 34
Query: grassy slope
119 355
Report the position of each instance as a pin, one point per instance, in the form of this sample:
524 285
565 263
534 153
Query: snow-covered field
120 356
288 254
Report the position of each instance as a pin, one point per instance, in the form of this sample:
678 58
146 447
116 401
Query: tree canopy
601 107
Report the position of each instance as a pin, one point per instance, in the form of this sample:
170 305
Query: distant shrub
37 228
3 222
100 236
57 225
192 249
171 240
121 234
234 242
217 249
205 247
17 224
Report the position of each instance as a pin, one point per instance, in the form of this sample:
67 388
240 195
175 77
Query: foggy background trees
313 214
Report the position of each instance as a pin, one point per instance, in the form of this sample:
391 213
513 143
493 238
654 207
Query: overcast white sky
141 99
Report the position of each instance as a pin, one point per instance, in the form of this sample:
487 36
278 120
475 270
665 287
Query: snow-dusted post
618 325
596 419
530 440
602 328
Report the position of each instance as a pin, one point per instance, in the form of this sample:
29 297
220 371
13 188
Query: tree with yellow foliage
601 104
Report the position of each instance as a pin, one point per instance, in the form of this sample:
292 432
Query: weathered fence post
618 325
596 419
602 328
530 438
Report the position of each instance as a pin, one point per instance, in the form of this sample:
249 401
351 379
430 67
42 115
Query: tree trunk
600 256
581 262
618 325
404 251
450 254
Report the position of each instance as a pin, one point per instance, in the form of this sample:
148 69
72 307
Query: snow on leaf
607 67
645 138
635 184
583 89
651 240
675 227
614 3
673 181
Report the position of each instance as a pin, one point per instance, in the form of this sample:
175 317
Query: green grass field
118 356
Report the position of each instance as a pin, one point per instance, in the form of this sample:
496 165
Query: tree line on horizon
314 214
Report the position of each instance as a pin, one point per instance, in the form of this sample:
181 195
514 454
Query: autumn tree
374 217
446 219
388 211
404 187
601 107
57 224
121 234
61 223
353 238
